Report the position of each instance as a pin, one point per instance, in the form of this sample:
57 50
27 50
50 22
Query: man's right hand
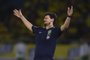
18 13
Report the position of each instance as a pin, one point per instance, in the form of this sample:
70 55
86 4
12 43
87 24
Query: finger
68 9
15 14
15 11
20 11
71 7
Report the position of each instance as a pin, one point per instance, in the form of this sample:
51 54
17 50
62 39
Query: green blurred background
12 28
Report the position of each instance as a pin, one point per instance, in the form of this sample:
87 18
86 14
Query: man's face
48 20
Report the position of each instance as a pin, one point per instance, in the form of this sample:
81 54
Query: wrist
69 16
21 16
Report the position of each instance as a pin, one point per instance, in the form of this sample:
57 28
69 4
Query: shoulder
58 29
35 29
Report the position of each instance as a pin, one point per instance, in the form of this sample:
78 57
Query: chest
46 34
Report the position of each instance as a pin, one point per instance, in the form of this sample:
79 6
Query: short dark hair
52 15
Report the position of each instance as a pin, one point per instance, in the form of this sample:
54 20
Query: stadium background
13 30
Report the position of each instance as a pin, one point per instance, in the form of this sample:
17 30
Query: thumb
20 11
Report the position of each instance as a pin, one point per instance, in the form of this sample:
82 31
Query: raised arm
67 21
19 14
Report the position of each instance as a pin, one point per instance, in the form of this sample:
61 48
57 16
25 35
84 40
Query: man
73 52
20 51
84 51
45 38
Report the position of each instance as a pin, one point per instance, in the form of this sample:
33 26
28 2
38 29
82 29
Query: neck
49 26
